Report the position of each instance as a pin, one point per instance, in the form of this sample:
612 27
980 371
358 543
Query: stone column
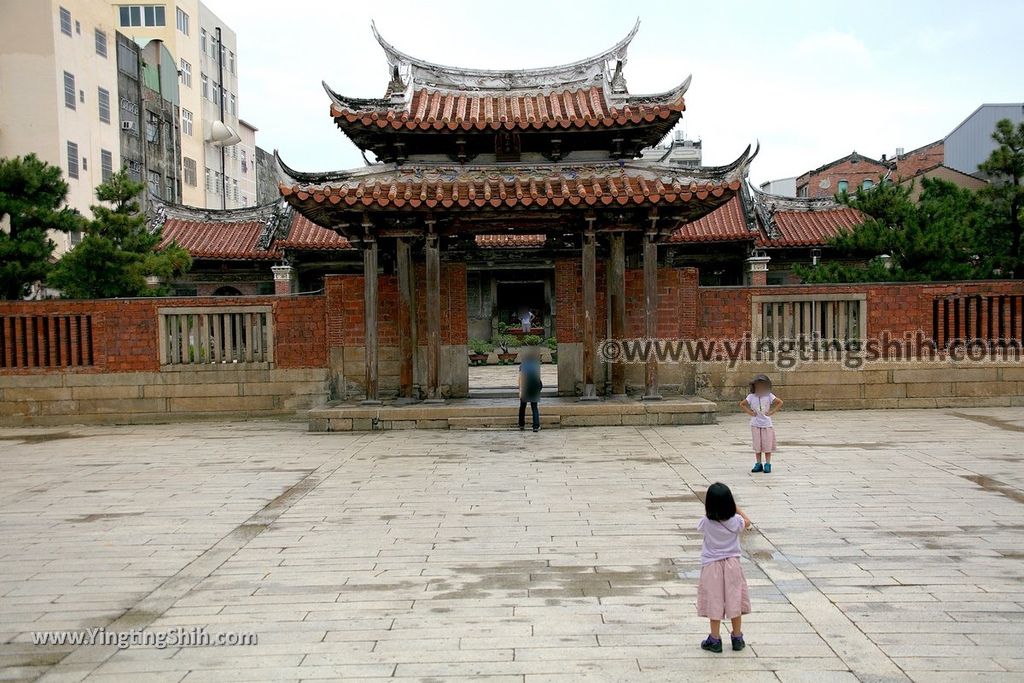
370 318
589 312
433 271
284 279
617 302
651 390
406 318
758 266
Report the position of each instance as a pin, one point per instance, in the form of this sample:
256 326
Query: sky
812 81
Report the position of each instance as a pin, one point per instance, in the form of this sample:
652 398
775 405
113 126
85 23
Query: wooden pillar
433 318
589 311
651 391
617 301
370 318
406 316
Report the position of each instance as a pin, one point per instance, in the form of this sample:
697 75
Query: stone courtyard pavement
887 547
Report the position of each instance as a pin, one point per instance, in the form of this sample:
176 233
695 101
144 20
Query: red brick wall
124 331
893 308
853 173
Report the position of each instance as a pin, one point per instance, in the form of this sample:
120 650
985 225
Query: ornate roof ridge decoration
407 70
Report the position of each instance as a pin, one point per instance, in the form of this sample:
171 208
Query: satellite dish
223 135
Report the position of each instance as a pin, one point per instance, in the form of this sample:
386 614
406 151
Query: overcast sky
812 81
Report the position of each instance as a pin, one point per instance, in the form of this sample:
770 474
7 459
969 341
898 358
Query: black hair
760 378
719 505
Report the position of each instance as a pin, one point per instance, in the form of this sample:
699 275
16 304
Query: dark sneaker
536 429
737 642
522 427
712 644
758 467
767 468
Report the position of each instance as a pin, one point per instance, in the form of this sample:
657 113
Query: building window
867 184
152 128
843 186
245 166
65 21
103 97
209 182
205 86
234 190
215 93
78 27
154 183
72 160
231 61
101 43
106 164
181 19
142 15
186 73
202 40
127 60
69 91
169 189
190 171
234 105
186 123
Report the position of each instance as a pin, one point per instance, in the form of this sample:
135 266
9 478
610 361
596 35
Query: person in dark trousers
529 387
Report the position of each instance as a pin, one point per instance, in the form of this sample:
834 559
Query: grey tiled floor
888 547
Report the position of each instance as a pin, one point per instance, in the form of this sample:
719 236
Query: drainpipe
220 98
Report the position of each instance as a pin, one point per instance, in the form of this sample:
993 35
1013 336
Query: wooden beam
370 317
651 390
406 317
589 311
433 317
617 301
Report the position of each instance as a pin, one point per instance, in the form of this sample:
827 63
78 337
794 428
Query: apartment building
206 51
59 83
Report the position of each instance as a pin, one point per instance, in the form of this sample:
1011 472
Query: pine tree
118 251
32 197
1005 168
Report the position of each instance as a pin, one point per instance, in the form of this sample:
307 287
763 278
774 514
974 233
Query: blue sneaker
758 467
767 468
712 644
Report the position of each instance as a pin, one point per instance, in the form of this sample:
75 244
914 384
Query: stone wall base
137 397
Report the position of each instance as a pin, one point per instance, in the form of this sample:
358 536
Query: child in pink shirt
760 404
722 591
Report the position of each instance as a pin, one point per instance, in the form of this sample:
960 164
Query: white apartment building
207 54
58 80
247 163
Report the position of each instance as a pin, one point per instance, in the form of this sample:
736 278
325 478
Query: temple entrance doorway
498 298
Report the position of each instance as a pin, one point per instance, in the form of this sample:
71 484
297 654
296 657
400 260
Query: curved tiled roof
453 110
220 240
812 228
305 234
727 223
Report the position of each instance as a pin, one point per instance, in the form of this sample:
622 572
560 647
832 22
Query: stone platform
502 413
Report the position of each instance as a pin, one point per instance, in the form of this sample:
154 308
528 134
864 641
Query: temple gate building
498 190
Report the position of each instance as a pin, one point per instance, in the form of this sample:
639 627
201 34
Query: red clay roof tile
811 228
305 234
220 240
724 224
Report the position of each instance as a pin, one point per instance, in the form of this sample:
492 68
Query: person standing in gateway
530 386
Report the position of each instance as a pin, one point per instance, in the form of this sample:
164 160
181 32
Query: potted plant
552 345
502 342
529 340
478 350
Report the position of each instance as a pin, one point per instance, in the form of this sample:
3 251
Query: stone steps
503 413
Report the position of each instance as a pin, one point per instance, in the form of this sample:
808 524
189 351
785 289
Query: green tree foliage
118 251
940 237
32 196
1005 194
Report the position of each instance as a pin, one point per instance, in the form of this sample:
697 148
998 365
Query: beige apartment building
58 77
207 54
247 182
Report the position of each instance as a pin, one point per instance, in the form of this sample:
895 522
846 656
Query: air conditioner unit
127 125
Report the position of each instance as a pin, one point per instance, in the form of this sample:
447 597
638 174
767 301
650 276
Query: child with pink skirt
760 404
722 592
